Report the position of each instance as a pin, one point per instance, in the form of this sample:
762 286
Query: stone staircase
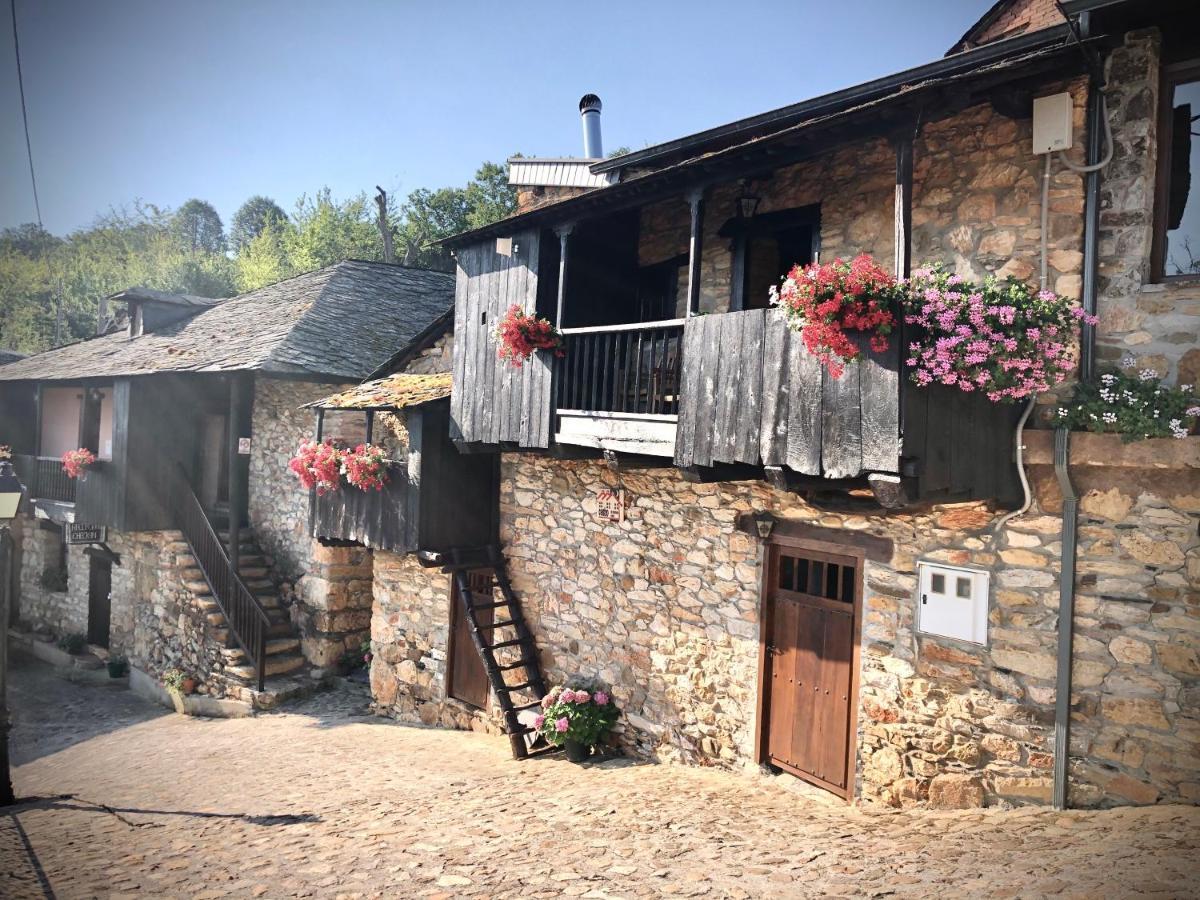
287 672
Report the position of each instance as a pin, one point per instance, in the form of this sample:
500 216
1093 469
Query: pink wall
60 421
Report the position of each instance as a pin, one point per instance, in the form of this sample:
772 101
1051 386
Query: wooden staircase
511 662
283 656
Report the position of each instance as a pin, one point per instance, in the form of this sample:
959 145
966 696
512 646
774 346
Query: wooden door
99 600
809 680
466 678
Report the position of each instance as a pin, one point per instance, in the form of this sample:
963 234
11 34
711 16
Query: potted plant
366 467
318 465
520 335
825 301
576 719
178 683
1133 405
76 463
73 643
118 666
997 337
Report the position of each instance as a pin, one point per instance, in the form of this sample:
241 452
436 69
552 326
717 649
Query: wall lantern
747 203
11 491
764 524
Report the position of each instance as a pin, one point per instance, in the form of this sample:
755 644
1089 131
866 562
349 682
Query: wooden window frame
765 624
1171 75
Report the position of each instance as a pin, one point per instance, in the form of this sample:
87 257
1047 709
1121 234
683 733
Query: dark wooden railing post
239 409
564 233
695 200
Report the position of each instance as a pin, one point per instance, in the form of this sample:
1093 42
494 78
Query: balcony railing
631 369
44 478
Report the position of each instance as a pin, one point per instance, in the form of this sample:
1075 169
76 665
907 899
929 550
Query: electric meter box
1052 121
953 601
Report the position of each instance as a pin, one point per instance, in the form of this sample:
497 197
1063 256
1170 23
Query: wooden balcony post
695 200
903 205
564 232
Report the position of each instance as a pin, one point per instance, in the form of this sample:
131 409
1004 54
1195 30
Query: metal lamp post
11 491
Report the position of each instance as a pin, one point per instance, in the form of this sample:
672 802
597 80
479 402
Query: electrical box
1052 121
953 601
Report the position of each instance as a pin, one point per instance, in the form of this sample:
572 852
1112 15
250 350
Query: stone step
276 665
275 647
280 630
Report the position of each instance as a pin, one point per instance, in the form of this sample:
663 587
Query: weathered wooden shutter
493 401
752 393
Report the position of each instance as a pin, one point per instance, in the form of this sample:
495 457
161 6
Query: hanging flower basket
366 467
318 465
826 302
998 337
77 462
520 334
1135 405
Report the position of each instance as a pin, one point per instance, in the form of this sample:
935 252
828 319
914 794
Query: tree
489 196
251 218
199 227
430 216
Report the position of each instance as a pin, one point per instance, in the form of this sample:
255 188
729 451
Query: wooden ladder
460 563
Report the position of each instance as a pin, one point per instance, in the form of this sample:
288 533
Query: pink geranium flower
567 696
539 720
561 725
582 697
601 698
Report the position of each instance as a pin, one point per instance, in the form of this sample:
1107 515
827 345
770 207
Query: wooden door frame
452 647
765 622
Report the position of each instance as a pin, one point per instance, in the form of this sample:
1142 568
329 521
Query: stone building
669 530
185 544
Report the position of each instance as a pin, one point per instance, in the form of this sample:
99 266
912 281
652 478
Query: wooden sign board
86 534
611 505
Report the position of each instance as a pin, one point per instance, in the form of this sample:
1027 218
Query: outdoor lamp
764 524
748 203
10 492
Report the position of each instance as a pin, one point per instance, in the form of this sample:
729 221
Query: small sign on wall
86 534
610 505
243 446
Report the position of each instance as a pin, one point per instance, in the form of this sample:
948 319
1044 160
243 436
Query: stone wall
333 614
976 204
1020 17
437 357
410 628
41 602
665 607
1156 323
278 505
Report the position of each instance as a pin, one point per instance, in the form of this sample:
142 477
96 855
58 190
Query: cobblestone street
323 800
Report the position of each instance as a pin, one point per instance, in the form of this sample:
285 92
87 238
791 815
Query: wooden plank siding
494 402
752 393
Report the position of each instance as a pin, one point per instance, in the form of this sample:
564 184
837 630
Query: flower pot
188 686
577 752
116 669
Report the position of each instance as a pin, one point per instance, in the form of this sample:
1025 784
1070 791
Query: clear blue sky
169 99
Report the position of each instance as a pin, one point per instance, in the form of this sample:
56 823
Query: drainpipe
1091 227
1066 618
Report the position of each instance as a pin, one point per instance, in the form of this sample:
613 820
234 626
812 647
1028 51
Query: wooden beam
695 199
903 205
564 233
721 472
240 388
370 424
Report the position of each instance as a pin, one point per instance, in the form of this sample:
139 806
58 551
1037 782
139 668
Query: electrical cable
24 114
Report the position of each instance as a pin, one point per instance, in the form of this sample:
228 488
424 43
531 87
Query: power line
25 115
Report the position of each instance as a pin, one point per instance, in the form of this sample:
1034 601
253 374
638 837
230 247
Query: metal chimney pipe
589 112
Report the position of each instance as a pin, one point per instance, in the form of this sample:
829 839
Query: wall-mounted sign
610 505
86 534
243 446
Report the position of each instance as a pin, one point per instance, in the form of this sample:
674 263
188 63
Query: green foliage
587 711
1135 406
251 218
73 643
183 251
198 227
173 680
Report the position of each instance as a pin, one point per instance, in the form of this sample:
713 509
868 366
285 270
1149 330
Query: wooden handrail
248 620
626 369
627 326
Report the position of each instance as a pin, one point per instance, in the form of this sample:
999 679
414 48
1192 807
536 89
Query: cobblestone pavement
322 800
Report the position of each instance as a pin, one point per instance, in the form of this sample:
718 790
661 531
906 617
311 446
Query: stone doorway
808 677
99 600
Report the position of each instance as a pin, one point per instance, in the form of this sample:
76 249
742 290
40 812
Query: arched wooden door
809 673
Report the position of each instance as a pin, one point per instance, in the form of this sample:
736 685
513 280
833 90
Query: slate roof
343 321
10 356
393 392
149 295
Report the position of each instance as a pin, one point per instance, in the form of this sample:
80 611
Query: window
817 575
1177 212
953 602
765 248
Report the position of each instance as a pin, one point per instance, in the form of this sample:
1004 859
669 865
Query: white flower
1110 417
1108 378
1147 375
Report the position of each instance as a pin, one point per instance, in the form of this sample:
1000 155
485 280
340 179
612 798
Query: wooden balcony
44 478
380 519
617 387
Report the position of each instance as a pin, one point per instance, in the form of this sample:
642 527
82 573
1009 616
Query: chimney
589 111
